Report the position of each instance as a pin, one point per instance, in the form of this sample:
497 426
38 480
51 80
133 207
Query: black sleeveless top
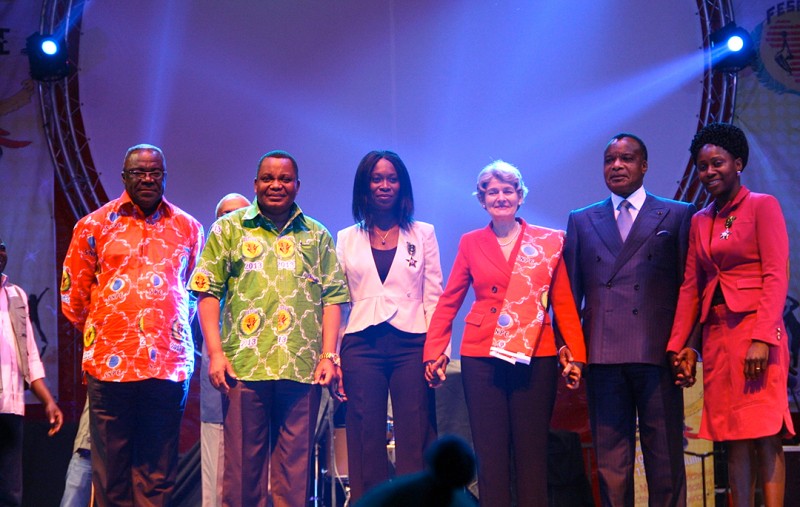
383 261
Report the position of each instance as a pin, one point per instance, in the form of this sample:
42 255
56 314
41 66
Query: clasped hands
436 371
572 370
684 366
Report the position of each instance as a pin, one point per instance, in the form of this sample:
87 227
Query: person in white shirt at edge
20 365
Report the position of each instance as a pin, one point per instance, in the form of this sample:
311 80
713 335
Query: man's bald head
231 202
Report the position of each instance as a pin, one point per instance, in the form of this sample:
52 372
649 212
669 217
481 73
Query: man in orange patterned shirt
124 285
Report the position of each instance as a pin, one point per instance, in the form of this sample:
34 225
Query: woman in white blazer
395 279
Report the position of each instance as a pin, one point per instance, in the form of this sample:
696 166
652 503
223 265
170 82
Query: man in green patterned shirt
276 271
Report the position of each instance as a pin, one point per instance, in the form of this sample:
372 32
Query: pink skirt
735 408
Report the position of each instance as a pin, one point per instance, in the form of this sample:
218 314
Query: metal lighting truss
62 121
719 95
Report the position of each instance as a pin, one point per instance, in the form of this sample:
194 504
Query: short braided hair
725 135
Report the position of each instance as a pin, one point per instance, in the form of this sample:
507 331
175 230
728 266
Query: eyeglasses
137 174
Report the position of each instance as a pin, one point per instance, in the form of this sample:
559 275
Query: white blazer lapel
361 253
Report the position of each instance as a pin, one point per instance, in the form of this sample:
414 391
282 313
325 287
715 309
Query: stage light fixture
735 43
49 47
47 57
732 49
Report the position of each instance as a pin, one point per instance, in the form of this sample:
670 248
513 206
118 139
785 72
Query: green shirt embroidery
273 285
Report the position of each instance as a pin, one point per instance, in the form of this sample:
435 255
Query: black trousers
509 414
376 362
135 428
10 460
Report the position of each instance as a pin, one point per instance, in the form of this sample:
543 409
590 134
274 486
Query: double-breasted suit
382 351
627 293
742 251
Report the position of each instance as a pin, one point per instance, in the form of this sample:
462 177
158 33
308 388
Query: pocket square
663 233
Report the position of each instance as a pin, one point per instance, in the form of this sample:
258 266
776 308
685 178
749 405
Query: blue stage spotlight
735 43
48 58
732 49
49 47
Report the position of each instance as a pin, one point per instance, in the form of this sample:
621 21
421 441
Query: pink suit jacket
751 266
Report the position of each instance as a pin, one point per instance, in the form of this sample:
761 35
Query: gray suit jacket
627 292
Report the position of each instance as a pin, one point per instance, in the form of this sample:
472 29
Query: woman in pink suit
508 350
736 282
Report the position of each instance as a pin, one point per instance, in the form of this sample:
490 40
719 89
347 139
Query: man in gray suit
625 258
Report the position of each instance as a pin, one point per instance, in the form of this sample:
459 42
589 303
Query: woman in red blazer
736 282
508 351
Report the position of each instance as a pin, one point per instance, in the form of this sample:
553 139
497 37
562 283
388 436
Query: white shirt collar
636 199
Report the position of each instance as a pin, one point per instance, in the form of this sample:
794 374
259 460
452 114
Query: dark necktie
625 219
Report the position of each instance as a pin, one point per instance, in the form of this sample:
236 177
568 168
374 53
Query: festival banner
768 110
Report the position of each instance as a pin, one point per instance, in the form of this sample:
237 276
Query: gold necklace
503 245
382 236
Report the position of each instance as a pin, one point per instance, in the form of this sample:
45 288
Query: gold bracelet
333 356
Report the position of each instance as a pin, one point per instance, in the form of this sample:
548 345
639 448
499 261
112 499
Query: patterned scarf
525 305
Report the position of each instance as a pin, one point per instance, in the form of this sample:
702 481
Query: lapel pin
728 225
412 249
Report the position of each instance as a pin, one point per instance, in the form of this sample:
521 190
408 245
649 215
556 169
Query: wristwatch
333 356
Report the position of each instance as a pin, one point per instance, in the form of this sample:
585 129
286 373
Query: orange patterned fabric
480 264
525 305
125 285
